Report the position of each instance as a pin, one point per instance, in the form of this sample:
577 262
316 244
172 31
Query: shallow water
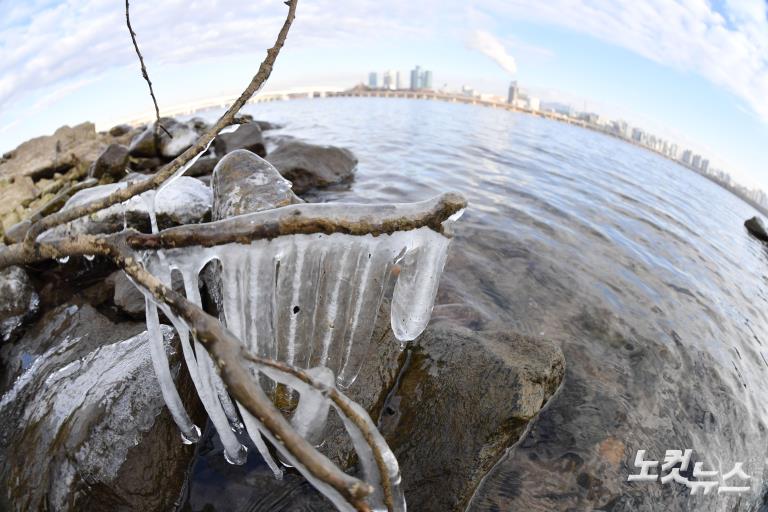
641 269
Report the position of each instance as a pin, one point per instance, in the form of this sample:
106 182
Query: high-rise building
513 94
426 80
373 80
704 165
398 85
687 154
416 78
696 161
388 80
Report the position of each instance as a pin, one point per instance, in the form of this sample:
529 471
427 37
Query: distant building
638 135
388 80
467 91
704 165
416 78
426 80
696 161
514 92
373 80
687 154
398 85
534 103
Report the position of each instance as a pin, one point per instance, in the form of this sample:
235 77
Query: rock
247 136
84 425
18 300
266 125
756 228
111 162
41 157
309 166
144 164
16 194
126 296
244 183
143 145
185 201
203 166
120 129
462 399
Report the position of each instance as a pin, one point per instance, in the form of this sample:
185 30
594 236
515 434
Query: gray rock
84 424
120 129
266 125
203 166
756 228
185 201
18 300
310 166
41 157
145 145
144 164
462 399
111 162
244 183
247 136
126 296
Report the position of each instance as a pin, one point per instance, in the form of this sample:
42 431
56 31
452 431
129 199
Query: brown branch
265 69
306 218
338 399
144 73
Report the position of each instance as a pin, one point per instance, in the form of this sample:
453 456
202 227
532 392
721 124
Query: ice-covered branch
170 169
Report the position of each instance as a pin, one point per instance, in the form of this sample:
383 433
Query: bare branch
265 69
144 72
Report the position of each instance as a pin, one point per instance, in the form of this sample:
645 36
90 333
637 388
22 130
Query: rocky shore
84 425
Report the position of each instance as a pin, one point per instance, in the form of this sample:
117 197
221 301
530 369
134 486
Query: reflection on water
641 269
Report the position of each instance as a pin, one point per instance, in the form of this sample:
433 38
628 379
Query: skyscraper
387 81
373 80
416 78
696 161
513 93
398 85
687 156
426 81
704 165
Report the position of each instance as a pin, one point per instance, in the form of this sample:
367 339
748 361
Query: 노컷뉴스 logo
734 481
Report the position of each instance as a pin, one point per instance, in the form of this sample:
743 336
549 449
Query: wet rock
144 164
756 228
185 201
310 166
247 136
111 162
18 300
120 129
244 183
126 296
41 157
183 137
84 423
462 399
266 125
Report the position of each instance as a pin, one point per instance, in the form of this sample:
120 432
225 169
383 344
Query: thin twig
265 69
144 73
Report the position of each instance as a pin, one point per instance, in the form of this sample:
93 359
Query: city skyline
688 70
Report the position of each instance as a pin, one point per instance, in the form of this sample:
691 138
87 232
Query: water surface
640 269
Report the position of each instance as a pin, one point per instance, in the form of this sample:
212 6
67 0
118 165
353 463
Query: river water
639 268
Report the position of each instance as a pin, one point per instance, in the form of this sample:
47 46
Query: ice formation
310 301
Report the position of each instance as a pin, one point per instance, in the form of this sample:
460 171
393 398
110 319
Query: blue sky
691 70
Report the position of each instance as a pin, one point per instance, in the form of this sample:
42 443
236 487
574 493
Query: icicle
89 257
63 260
190 433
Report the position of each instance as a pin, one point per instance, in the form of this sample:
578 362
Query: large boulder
310 166
756 228
16 193
18 300
247 136
84 423
244 183
41 157
111 162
